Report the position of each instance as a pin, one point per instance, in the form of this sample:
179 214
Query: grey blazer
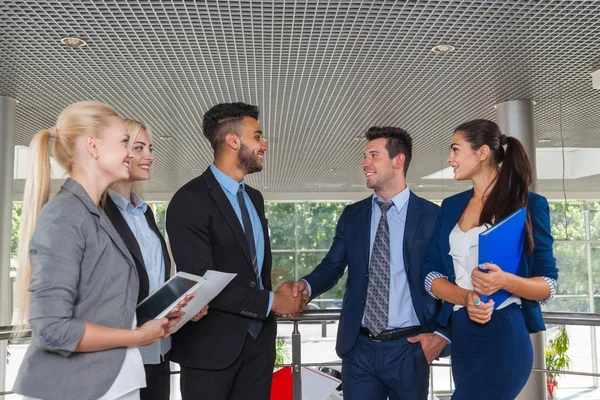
81 272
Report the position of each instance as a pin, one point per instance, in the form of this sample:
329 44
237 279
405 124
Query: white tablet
160 303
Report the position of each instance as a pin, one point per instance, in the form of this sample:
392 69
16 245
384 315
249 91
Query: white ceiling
321 72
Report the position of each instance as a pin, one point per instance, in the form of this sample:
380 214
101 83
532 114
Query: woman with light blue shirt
491 349
134 220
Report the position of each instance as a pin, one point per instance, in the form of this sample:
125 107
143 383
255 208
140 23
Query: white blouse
464 250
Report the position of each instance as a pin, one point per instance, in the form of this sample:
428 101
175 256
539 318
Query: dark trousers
394 369
158 381
491 361
248 378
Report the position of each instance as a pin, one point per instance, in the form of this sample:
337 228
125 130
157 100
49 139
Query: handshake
290 299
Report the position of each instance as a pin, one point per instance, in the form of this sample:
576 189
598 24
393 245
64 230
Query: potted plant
281 352
556 359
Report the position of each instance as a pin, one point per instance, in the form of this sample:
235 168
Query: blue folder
503 245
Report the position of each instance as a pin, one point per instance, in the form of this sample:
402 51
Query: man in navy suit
387 334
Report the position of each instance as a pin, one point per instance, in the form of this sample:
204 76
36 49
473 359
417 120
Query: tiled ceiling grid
320 71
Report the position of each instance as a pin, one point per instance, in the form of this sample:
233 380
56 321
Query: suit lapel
365 227
152 224
461 203
227 210
411 226
259 206
78 190
113 213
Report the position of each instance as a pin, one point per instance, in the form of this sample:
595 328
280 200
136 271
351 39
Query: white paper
214 284
317 385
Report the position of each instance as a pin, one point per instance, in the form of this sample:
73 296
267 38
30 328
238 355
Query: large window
301 234
576 232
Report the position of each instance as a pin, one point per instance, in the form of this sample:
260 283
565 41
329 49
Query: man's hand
285 304
299 287
431 343
488 279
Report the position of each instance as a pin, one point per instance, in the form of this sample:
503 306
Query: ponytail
77 120
37 191
511 190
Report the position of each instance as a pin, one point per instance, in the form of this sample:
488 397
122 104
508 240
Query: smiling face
113 154
464 161
377 165
143 158
253 146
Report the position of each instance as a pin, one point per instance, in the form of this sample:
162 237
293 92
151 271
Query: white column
515 118
7 151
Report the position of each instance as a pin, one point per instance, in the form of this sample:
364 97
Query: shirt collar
230 184
399 200
125 204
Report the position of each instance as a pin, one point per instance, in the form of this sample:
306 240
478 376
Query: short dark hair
399 141
224 118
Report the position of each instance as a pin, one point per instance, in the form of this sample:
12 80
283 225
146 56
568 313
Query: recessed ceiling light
544 140
73 42
443 48
166 137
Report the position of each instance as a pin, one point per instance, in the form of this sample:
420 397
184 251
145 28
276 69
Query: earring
96 156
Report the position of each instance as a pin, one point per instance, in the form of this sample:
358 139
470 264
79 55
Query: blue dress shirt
154 261
230 187
401 311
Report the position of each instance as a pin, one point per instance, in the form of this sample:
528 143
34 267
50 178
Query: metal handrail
550 317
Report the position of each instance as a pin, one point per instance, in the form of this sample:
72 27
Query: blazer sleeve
188 226
544 263
55 252
433 262
332 267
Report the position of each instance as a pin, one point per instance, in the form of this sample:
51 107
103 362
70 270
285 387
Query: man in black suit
218 222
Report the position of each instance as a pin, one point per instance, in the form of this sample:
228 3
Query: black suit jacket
114 214
205 233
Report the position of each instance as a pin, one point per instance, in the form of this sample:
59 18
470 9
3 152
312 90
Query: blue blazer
351 248
540 263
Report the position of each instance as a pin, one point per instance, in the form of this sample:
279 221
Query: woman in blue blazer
491 350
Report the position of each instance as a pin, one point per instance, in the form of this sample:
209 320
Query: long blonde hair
85 118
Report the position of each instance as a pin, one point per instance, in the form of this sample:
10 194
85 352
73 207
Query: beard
248 161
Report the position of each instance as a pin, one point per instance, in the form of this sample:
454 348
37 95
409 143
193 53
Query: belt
392 334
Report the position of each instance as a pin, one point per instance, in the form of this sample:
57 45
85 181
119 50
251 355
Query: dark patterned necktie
378 291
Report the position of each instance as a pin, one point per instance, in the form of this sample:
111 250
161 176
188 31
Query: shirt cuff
309 289
552 283
432 276
271 296
442 336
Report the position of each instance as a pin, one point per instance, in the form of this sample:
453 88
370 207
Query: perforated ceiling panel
320 71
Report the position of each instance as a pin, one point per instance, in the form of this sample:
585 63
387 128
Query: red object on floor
281 388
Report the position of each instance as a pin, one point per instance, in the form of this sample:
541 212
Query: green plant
557 359
281 352
556 353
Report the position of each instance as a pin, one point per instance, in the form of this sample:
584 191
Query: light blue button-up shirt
401 311
154 261
230 187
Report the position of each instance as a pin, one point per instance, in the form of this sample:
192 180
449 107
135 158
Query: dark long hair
511 190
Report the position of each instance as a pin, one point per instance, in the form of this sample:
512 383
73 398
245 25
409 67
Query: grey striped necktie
378 290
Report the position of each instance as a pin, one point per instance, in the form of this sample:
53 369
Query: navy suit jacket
540 263
351 248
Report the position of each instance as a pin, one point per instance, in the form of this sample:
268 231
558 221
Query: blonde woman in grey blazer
75 273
